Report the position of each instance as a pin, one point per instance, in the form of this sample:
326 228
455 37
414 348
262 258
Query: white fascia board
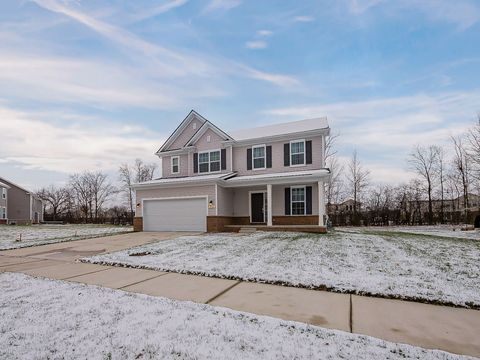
188 119
184 182
279 180
207 125
283 137
182 151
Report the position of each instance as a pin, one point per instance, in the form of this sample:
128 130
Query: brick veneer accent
3 221
295 220
138 224
218 223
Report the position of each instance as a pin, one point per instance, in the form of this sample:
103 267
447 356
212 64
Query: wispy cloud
221 5
256 44
34 143
158 9
303 18
264 33
461 13
388 128
172 62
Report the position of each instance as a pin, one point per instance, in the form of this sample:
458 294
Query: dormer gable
207 129
192 123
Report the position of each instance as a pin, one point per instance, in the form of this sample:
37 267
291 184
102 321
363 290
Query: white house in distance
19 206
270 177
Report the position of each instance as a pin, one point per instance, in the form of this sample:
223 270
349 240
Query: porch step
247 230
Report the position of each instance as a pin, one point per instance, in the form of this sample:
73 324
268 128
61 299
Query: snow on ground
46 319
437 230
47 234
402 266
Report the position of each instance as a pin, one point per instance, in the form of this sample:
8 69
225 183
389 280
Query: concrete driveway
430 326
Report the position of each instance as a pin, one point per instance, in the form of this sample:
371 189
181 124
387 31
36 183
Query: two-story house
271 177
3 202
18 205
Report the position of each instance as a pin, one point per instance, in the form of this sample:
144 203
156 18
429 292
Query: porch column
321 203
269 205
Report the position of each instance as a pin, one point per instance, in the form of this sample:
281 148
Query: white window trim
5 212
304 200
209 162
264 157
178 164
304 152
4 193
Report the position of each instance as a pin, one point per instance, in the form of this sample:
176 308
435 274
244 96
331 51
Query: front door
257 203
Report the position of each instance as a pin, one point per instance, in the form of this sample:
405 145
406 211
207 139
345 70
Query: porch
293 228
293 201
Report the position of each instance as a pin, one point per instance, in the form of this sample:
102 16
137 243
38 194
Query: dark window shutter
308 152
269 156
286 154
195 163
249 159
308 199
287 201
223 159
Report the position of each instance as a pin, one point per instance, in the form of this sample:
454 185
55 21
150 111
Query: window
209 161
3 213
194 126
258 157
297 152
175 164
298 200
4 193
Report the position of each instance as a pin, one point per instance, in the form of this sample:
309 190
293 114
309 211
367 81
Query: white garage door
187 214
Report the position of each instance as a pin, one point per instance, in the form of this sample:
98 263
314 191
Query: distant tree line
446 188
91 197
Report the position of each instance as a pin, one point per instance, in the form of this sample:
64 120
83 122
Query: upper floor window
209 161
297 152
298 200
175 164
4 193
258 157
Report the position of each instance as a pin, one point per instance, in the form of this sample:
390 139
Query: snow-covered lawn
453 231
46 319
48 234
396 265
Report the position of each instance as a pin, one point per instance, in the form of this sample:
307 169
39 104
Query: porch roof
233 180
276 178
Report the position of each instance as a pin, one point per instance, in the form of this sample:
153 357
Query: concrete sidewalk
429 326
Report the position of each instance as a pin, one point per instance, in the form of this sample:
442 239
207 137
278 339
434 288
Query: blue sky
92 84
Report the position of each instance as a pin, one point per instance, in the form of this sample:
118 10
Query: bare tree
56 198
101 190
82 192
143 171
422 160
91 190
440 169
358 179
474 147
128 175
461 166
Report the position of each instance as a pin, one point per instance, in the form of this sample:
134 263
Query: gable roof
6 182
281 129
274 130
191 115
207 125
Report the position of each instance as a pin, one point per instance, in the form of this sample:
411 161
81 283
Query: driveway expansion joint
141 281
223 292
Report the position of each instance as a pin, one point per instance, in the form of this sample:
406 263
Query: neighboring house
22 206
3 202
216 181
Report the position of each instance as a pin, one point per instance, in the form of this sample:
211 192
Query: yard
47 234
46 319
388 264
